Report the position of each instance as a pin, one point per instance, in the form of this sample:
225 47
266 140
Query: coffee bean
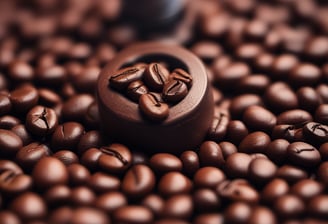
173 183
289 132
207 50
174 91
294 117
9 165
52 75
10 143
256 142
75 108
8 217
205 200
307 189
82 196
133 214
308 98
115 158
324 151
48 98
67 135
227 149
190 162
57 195
155 203
5 104
78 174
41 121
165 162
156 75
273 190
91 139
86 215
316 132
280 97
237 165
256 84
139 180
136 89
30 154
237 212
305 74
208 177
303 154
61 215
322 91
291 174
102 182
20 131
14 184
218 128
178 206
261 170
49 171
277 150
322 173
259 119
29 206
90 158
123 77
208 218
262 214
24 98
152 108
67 157
231 74
321 114
86 81
236 131
21 71
318 206
289 206
183 76
8 122
110 201
210 154
237 190
240 103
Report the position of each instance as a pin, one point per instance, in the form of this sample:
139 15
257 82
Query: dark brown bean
259 119
174 91
178 206
152 108
156 75
10 143
136 89
256 142
303 154
24 98
273 190
174 183
67 135
210 154
182 75
41 121
102 182
208 177
165 162
133 214
190 162
123 77
110 201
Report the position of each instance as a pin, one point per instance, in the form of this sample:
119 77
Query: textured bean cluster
265 159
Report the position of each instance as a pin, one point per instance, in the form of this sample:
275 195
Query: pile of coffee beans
265 157
153 86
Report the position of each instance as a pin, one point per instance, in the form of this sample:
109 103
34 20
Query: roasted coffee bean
324 151
8 122
90 158
62 214
155 203
283 64
133 214
322 91
86 81
261 170
84 215
178 206
8 217
21 71
256 83
308 98
29 206
173 183
280 97
123 77
236 131
208 218
181 75
41 121
91 139
102 182
291 174
67 135
5 104
115 158
318 206
206 200
210 154
247 52
237 164
262 214
152 108
259 119
303 154
20 131
30 154
316 132
322 173
231 74
136 89
227 149
208 177
307 189
110 201
10 143
237 213
67 157
321 114
277 150
92 118
78 174
57 195
52 75
9 165
289 206
11 183
75 108
273 190
237 190
240 103
49 171
190 162
289 132
165 162
218 128
256 142
24 98
295 117
207 50
305 74
82 196
156 76
138 181
174 91
48 97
